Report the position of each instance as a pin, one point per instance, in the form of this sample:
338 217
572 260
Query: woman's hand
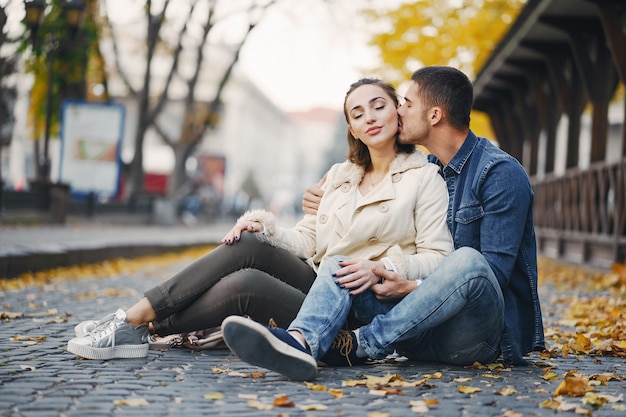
235 233
358 275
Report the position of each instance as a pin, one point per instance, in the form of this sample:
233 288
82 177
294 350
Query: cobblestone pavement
38 377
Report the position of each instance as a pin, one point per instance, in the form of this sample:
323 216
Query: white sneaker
113 338
86 327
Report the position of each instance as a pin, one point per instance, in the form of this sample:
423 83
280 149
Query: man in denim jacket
481 303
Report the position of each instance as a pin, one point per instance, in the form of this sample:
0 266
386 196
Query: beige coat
402 218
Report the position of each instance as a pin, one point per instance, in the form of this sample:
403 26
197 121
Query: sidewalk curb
62 247
11 266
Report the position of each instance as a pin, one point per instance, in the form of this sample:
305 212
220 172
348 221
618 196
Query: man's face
414 126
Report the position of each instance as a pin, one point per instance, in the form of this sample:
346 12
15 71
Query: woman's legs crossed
181 290
246 292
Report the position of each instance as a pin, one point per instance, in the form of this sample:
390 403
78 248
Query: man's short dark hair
448 88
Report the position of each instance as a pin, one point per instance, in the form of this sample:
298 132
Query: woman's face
372 116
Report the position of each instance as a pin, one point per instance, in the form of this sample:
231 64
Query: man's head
437 94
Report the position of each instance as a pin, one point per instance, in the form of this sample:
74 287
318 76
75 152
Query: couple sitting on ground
384 260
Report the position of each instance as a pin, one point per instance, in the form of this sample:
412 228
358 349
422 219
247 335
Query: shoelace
104 329
343 342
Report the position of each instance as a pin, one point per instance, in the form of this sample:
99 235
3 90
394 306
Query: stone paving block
91 410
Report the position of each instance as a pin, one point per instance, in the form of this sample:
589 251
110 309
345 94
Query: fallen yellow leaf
314 407
132 402
506 391
337 393
464 389
315 387
6 315
282 400
574 385
257 405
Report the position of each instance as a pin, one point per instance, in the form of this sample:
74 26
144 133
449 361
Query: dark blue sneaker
343 351
271 348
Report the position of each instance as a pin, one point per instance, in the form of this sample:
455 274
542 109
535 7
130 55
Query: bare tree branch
164 97
116 53
159 130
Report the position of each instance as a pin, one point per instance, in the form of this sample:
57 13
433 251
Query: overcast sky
303 54
308 55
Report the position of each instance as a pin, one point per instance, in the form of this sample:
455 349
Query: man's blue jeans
455 316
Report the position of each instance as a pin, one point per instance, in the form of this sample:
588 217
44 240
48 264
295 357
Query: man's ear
435 115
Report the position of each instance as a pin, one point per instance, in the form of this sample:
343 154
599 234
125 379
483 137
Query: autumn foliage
459 33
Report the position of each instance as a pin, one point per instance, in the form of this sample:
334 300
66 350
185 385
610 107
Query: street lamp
74 11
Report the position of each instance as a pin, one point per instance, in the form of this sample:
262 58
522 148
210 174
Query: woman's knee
243 280
248 239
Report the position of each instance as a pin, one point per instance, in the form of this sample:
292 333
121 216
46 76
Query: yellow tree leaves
461 33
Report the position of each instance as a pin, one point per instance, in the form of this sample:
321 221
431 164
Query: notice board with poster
91 137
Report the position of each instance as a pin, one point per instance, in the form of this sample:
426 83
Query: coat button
345 187
372 240
383 208
396 177
323 219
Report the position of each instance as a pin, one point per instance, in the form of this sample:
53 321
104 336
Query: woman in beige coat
385 206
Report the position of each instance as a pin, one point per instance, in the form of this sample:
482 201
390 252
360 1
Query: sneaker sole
254 344
117 352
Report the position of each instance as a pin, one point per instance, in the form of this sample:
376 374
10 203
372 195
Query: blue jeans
455 316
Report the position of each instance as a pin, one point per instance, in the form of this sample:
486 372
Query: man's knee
471 259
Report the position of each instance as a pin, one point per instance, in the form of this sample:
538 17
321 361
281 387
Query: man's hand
393 285
312 197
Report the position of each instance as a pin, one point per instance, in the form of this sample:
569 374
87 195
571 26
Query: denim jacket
491 210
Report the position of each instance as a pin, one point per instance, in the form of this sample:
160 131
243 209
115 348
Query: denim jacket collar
463 154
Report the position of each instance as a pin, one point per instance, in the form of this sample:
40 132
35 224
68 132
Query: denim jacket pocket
467 227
